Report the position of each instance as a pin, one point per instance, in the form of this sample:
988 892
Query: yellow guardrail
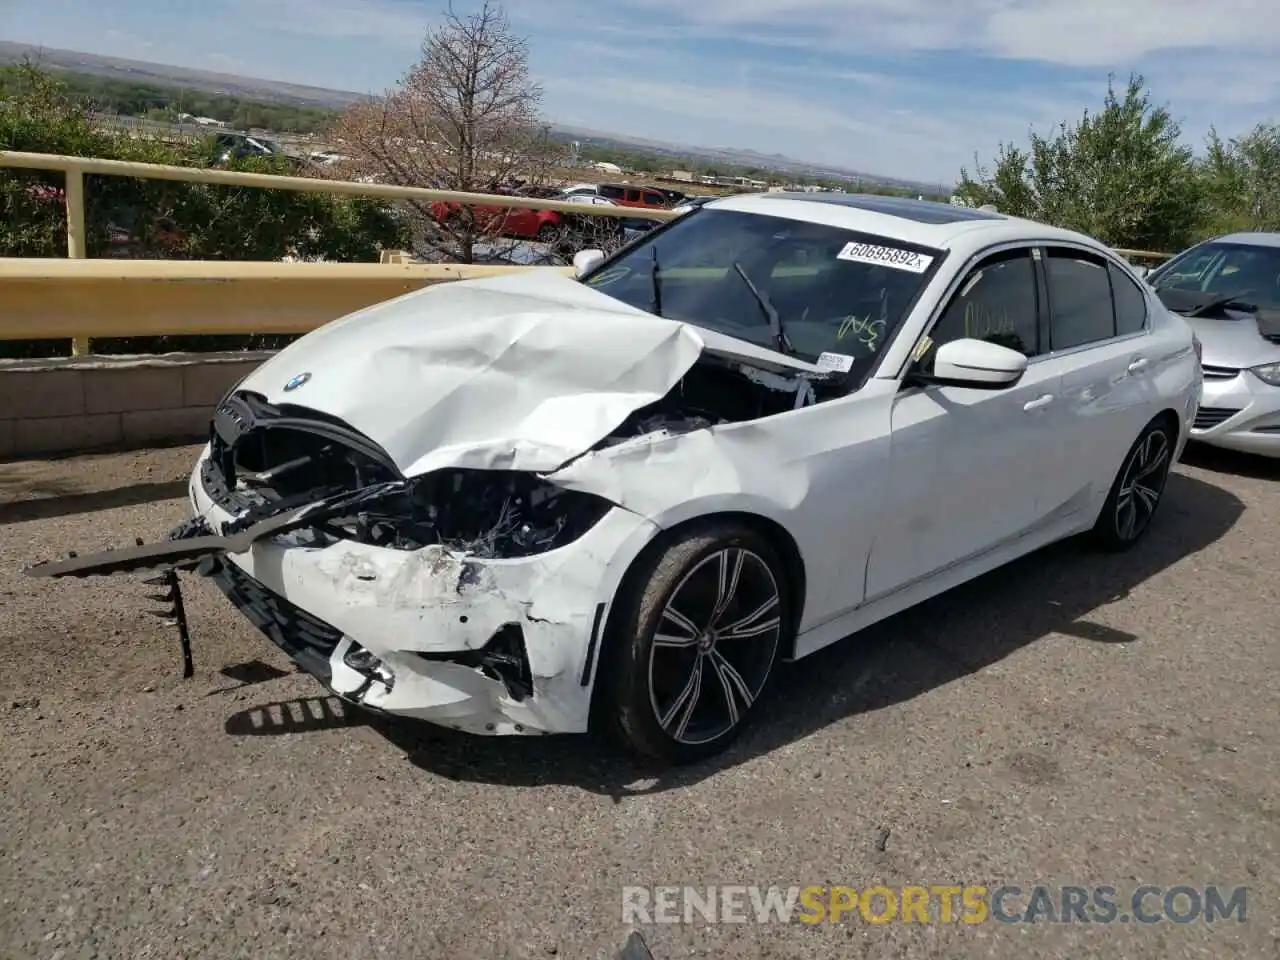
74 170
1143 254
82 298
57 298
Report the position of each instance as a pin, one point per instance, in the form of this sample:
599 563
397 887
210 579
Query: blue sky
908 88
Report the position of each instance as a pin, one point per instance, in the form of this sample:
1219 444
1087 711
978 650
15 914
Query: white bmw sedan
541 503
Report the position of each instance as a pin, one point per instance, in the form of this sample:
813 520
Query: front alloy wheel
696 643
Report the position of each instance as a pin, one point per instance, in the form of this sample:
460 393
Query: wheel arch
775 533
1170 416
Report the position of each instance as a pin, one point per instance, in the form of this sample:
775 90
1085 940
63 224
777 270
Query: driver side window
997 302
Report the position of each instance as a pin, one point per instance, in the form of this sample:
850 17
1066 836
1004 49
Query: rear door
1100 341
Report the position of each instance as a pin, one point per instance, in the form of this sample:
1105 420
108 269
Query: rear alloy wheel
1136 493
696 643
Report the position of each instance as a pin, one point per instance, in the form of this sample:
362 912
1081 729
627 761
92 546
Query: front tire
1137 490
693 641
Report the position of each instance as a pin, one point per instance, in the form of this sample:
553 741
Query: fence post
76 242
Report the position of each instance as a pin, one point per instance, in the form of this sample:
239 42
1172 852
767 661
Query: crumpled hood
519 372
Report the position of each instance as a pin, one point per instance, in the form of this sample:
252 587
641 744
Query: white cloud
852 82
873 133
1069 32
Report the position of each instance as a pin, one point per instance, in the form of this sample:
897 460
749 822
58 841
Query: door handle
1138 365
1038 403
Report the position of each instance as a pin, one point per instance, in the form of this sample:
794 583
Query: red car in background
629 195
510 221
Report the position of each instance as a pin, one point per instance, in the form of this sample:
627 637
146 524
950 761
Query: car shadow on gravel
61 504
1218 460
952 636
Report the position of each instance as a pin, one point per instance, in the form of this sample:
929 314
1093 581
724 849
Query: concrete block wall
78 404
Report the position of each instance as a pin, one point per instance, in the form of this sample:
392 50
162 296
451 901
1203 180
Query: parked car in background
629 195
588 229
541 503
1228 289
516 222
581 190
237 146
229 146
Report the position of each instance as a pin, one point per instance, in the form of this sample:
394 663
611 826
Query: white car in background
537 504
582 190
1229 291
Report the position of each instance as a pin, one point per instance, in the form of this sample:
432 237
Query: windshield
1221 272
789 285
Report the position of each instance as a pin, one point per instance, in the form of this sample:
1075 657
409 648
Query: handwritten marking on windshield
609 276
866 330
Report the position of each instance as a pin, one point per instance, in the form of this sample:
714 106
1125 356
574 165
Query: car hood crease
516 373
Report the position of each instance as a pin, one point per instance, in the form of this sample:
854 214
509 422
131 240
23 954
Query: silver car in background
1228 288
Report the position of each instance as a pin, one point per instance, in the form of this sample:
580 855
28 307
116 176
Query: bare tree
465 117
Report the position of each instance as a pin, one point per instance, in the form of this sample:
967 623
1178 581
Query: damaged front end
262 458
473 598
440 596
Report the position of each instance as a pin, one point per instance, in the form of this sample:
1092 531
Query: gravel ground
1070 719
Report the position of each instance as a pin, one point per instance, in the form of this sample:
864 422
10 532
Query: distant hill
139 71
746 158
276 91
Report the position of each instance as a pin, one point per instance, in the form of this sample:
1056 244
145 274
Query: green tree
157 218
1240 179
1121 174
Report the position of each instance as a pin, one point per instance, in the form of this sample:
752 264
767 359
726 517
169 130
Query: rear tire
692 642
1137 490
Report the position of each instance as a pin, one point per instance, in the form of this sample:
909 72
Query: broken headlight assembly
483 513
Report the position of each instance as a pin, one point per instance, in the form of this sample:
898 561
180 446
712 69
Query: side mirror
976 364
1142 272
584 260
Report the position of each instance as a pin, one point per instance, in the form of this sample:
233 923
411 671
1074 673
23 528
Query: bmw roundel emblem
297 381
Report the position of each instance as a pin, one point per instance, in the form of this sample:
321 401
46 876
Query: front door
966 464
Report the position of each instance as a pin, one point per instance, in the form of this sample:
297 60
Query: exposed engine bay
265 458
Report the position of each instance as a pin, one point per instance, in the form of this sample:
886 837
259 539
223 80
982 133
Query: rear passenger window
1131 303
1080 298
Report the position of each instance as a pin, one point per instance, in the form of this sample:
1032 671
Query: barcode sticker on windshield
885 257
835 361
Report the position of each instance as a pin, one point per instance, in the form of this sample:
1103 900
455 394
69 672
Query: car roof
926 222
922 211
1258 239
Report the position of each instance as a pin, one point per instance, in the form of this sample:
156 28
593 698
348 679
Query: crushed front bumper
482 646
1238 412
486 646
